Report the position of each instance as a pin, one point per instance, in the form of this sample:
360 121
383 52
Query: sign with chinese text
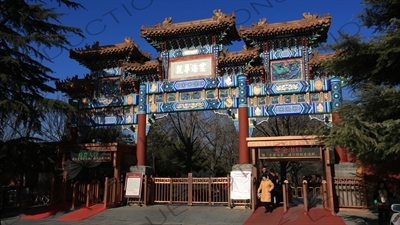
287 152
133 185
240 185
91 156
191 67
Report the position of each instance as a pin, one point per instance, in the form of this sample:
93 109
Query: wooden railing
350 192
190 190
61 190
85 194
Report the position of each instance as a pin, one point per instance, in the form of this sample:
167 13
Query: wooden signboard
133 185
290 152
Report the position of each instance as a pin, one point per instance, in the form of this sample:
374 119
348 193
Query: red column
339 150
141 140
244 154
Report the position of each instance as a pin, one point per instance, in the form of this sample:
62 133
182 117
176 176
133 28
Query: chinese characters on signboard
289 152
191 67
91 156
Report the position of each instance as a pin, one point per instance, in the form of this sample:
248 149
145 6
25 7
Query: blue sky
109 22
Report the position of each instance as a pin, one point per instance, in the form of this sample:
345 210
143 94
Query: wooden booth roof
308 25
98 57
192 33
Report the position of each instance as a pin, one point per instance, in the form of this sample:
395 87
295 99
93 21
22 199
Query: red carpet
49 211
294 216
83 213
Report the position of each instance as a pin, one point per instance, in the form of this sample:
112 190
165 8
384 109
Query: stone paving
175 215
152 215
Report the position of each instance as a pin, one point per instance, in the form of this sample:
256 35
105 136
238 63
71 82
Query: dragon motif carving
220 15
308 16
260 23
128 40
95 46
167 22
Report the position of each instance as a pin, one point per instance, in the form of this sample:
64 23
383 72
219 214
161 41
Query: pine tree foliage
370 123
24 80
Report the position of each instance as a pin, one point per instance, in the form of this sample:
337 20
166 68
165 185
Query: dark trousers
267 206
383 215
274 197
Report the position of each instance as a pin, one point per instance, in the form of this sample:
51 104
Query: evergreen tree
370 123
24 80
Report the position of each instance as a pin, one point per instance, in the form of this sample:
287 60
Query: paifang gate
294 148
277 73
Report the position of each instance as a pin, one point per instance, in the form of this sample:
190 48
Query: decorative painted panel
292 52
320 85
112 72
257 90
191 67
301 98
108 87
287 87
286 70
211 94
142 99
105 120
207 104
336 93
171 97
288 109
227 81
305 62
321 107
175 53
197 84
132 99
258 111
216 55
159 98
242 81
187 96
126 100
165 64
191 84
154 87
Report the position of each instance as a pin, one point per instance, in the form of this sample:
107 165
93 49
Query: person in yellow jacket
264 191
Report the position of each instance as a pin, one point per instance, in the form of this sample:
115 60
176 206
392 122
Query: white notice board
133 185
240 185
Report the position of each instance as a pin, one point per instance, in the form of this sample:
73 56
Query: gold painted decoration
258 111
129 119
320 107
318 85
153 87
228 102
129 99
228 81
256 90
153 108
